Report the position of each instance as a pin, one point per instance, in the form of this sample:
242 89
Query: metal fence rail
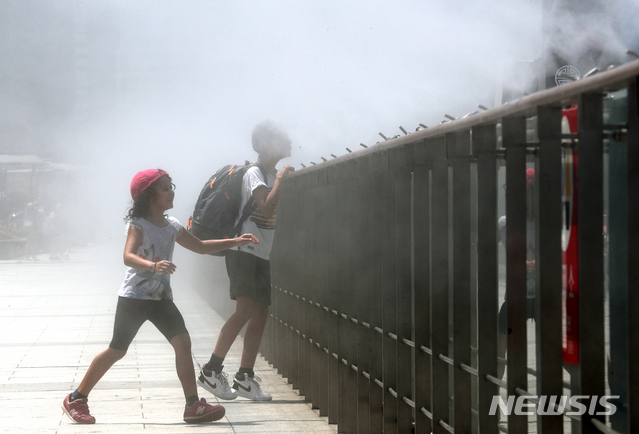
387 282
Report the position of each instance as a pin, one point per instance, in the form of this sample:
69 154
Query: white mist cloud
180 85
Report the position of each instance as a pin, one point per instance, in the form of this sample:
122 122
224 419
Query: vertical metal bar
284 282
349 307
618 269
404 295
591 278
377 210
459 151
633 251
323 237
297 282
484 145
345 410
332 301
439 283
514 138
310 290
365 282
422 272
389 296
549 314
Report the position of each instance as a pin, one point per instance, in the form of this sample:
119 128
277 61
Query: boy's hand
286 170
244 239
165 267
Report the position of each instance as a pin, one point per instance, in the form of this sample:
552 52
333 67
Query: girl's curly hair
141 206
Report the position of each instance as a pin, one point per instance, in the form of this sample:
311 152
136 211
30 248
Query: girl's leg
244 310
184 363
99 366
253 336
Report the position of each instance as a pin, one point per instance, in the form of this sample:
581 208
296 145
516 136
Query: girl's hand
164 267
244 239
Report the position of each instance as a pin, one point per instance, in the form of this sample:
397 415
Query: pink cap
143 179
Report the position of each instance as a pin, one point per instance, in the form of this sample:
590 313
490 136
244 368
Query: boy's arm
189 241
267 201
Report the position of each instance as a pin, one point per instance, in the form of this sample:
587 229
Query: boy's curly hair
141 206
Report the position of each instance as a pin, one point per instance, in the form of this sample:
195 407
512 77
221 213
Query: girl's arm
188 240
131 258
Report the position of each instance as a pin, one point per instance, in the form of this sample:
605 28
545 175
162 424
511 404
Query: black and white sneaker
216 383
250 388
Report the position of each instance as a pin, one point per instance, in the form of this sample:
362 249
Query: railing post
422 276
440 284
633 251
389 295
484 146
321 334
404 296
459 152
591 277
349 291
375 243
549 263
332 301
364 284
514 140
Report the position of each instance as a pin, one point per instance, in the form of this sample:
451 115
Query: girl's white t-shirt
157 245
257 224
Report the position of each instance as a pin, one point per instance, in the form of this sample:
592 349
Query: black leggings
131 313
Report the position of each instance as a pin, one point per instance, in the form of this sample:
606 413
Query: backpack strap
250 204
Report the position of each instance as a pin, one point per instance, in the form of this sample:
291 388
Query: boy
248 269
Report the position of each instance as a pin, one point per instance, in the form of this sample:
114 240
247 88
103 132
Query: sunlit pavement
56 316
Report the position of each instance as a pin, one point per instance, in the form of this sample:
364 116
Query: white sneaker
217 384
250 388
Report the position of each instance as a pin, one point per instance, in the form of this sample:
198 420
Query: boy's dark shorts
249 276
131 313
503 320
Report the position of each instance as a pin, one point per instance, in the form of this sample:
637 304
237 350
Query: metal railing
388 273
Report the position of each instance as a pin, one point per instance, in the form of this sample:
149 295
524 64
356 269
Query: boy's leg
211 377
253 336
246 383
244 311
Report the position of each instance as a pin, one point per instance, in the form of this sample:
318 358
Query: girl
146 293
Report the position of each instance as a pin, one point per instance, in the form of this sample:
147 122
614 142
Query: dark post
459 151
514 139
484 146
439 283
633 250
591 276
389 295
403 161
549 314
377 211
423 311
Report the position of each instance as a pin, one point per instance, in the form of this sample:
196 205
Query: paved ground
56 316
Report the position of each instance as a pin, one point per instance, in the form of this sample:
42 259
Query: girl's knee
115 354
182 342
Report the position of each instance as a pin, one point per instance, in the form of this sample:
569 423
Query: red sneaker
78 410
203 412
